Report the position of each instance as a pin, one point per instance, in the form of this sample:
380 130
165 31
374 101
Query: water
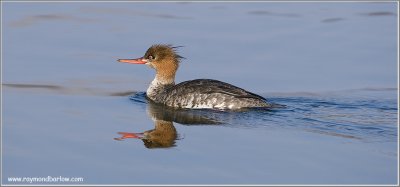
345 114
68 109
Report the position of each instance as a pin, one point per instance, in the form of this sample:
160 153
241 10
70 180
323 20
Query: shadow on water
164 133
35 19
269 13
331 20
49 88
379 13
357 118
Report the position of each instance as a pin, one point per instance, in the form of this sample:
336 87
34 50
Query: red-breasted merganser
199 93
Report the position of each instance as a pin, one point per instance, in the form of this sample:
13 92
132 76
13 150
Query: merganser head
163 58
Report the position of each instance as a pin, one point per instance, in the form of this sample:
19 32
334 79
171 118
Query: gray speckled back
208 93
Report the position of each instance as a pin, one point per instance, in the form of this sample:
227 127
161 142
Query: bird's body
199 93
205 93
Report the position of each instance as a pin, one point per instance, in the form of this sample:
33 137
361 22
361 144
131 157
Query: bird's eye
151 57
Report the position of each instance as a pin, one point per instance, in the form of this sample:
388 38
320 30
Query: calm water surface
70 110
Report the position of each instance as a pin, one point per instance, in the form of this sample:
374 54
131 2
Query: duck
192 94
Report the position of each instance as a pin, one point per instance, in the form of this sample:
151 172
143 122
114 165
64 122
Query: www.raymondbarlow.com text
48 179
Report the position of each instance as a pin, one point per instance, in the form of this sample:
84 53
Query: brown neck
165 73
165 77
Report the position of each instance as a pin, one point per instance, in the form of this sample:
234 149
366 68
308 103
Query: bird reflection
162 136
164 133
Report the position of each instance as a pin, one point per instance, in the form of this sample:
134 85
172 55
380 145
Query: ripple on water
345 115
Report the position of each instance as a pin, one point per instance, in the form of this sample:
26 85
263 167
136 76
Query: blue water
70 110
357 114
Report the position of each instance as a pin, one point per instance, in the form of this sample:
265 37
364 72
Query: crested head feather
173 49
